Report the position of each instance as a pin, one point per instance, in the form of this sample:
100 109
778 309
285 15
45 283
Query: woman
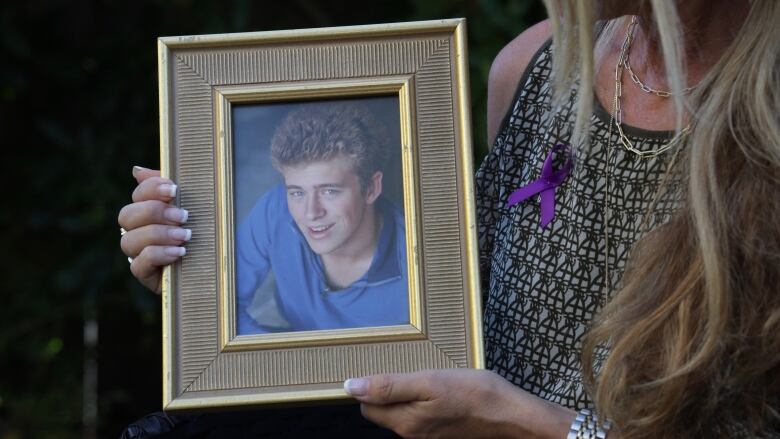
668 216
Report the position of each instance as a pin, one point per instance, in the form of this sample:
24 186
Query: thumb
387 388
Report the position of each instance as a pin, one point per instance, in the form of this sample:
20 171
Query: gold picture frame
203 79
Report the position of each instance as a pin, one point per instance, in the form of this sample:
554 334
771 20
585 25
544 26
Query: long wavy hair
693 333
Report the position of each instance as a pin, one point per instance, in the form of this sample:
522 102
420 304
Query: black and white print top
543 286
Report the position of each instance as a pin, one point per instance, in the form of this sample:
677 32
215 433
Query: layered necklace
616 120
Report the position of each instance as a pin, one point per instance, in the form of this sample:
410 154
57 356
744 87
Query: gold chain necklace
616 119
617 106
646 88
635 78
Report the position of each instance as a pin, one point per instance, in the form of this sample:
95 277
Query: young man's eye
295 194
330 192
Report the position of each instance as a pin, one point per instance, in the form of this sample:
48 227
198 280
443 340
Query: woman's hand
153 236
457 403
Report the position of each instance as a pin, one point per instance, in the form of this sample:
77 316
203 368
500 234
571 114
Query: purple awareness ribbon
545 185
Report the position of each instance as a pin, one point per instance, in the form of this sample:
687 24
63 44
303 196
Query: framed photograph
328 176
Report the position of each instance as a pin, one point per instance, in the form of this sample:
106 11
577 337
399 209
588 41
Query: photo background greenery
80 348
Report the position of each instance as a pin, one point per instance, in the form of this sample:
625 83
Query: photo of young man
331 245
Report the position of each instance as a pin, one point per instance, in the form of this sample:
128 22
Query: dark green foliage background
78 108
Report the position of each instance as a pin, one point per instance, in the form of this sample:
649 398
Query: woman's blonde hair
694 331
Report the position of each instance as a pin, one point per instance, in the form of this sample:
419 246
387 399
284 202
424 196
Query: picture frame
208 85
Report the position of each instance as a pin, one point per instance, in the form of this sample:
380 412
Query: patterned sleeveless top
543 286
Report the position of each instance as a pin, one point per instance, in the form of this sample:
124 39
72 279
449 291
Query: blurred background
80 347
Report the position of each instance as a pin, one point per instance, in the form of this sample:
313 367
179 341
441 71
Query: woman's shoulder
508 68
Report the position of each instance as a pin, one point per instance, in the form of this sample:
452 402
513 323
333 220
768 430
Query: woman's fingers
135 240
140 173
144 213
147 266
152 237
155 188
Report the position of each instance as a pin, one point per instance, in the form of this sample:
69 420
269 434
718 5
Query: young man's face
327 203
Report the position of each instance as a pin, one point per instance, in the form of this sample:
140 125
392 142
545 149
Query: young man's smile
329 206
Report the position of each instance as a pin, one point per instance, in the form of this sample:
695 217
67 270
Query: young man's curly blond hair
323 131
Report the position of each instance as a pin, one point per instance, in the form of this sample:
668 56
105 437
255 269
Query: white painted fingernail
137 169
176 214
175 251
180 234
356 386
167 190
